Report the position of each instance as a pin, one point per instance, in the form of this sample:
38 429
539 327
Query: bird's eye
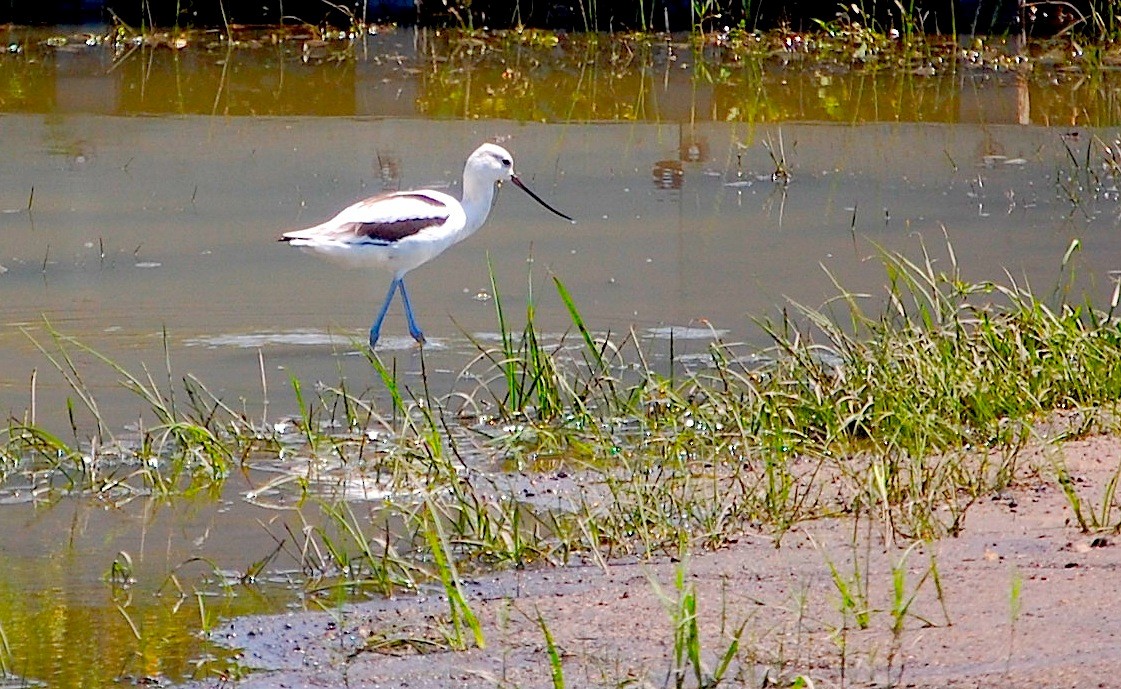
506 162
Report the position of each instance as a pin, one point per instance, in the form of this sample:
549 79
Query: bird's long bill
537 198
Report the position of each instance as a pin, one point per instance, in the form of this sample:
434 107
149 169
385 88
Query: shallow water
158 182
169 225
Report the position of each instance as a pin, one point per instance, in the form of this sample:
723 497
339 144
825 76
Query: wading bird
406 229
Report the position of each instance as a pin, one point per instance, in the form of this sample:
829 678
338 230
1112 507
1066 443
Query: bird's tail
298 235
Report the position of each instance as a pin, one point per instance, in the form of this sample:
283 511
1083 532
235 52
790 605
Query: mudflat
1021 597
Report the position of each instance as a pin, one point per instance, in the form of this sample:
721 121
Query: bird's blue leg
375 331
414 329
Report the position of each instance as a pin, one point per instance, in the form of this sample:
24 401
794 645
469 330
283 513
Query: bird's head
492 163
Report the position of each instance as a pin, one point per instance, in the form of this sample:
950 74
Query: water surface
158 181
168 226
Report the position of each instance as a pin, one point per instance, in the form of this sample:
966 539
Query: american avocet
406 229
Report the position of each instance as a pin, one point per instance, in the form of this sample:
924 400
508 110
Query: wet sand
612 628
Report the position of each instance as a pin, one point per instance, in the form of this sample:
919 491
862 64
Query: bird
403 230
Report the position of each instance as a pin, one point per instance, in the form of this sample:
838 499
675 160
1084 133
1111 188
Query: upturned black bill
537 198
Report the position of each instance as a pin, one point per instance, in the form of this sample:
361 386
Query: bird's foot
418 336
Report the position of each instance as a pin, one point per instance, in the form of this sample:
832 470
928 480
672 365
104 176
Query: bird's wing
390 218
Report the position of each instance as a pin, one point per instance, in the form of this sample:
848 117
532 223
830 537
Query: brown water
159 180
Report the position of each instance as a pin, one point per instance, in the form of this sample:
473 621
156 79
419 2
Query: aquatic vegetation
850 68
907 395
578 449
949 364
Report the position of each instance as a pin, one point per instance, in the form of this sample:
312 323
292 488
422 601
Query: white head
490 163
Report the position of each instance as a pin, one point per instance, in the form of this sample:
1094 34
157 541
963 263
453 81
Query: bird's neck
477 200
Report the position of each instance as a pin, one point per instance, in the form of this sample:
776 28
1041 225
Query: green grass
901 411
556 666
687 656
928 399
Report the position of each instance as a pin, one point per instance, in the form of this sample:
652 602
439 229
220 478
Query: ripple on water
679 332
303 338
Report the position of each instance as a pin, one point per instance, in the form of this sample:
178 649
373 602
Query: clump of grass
346 552
6 670
444 563
857 596
1015 606
858 35
934 395
903 411
687 654
928 401
539 380
1089 517
556 666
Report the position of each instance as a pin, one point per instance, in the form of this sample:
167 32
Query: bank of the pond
844 74
1020 598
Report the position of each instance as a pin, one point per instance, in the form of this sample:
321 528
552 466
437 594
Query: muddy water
147 226
142 192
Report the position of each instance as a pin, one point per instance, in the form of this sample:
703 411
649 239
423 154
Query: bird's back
397 231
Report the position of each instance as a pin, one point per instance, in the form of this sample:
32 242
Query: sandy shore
1027 600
